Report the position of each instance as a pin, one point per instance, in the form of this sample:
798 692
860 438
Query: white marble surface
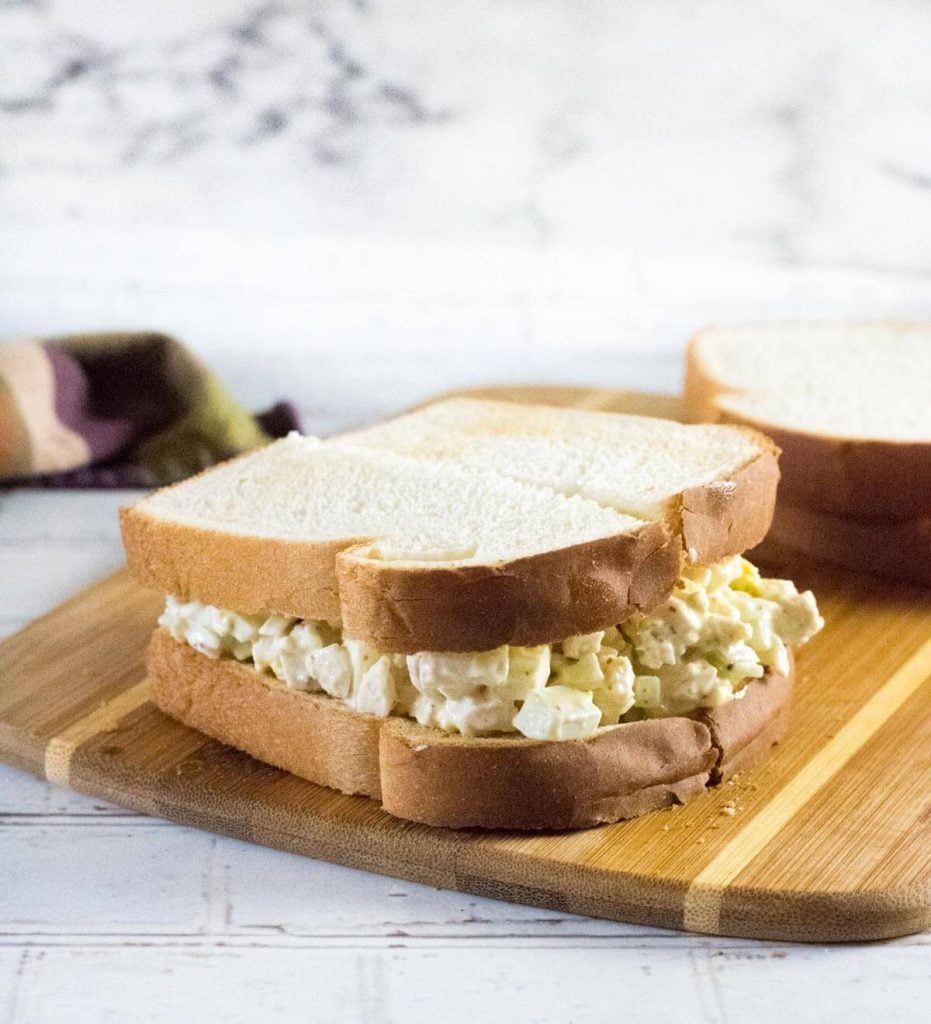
773 130
362 203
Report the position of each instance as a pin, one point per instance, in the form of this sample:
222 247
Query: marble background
480 189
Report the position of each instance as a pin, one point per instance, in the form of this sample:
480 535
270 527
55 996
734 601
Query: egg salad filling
721 627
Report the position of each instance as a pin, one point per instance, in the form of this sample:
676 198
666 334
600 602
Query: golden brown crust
898 549
248 574
540 599
405 608
505 782
728 516
535 600
495 782
310 735
873 479
744 730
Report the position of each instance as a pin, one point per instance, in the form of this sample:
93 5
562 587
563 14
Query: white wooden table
110 916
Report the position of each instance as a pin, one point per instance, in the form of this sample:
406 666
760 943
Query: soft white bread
454 551
407 555
493 782
711 485
848 404
898 549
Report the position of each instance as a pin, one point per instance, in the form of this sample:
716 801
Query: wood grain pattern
830 839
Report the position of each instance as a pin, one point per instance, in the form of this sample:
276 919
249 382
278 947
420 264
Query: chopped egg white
452 676
579 646
331 666
558 713
615 697
721 627
377 692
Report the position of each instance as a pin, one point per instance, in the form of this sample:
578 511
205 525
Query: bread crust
728 516
251 575
744 730
535 600
308 734
897 549
402 608
539 599
873 479
514 782
870 479
494 782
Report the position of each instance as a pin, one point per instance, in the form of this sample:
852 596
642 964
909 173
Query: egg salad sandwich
481 614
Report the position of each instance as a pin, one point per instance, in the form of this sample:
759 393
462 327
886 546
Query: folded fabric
119 410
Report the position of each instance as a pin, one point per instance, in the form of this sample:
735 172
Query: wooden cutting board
829 840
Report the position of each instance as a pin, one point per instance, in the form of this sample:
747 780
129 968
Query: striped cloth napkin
119 410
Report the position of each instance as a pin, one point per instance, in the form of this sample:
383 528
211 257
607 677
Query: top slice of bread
849 405
713 486
450 552
407 555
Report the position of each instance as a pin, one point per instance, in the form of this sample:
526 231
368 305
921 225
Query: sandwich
481 614
856 458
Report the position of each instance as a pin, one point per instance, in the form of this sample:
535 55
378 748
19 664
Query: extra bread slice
713 486
407 555
848 404
897 549
492 782
467 547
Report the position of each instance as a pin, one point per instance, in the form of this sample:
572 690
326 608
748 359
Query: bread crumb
665 828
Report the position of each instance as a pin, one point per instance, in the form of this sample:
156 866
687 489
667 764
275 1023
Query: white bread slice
898 549
408 555
712 485
848 404
492 782
465 549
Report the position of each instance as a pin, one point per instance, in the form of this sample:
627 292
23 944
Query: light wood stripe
704 897
61 748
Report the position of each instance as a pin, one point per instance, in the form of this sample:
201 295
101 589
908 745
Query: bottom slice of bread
424 775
